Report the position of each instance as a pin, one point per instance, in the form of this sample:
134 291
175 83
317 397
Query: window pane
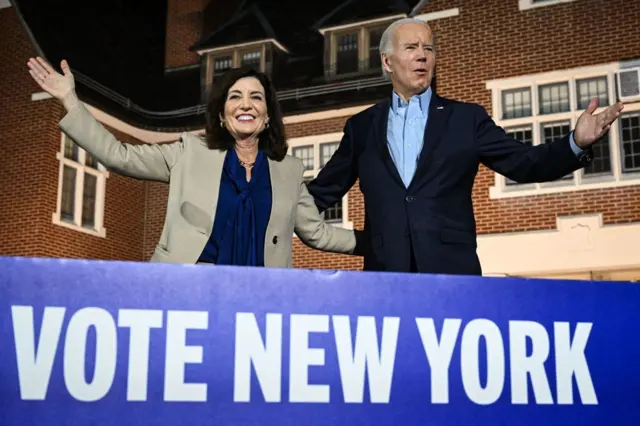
251 59
601 164
89 201
70 149
326 151
630 138
524 135
347 55
305 153
67 204
90 161
554 98
222 64
553 131
374 48
628 83
591 88
334 213
516 103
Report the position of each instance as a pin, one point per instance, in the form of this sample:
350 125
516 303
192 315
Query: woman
235 197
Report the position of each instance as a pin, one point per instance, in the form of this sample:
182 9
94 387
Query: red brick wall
156 195
25 127
29 171
492 39
184 27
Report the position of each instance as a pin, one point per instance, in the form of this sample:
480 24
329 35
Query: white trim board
242 46
579 243
362 23
432 16
5 4
529 4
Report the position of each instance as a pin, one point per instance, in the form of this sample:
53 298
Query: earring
222 123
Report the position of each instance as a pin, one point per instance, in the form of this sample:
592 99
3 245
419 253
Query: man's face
412 60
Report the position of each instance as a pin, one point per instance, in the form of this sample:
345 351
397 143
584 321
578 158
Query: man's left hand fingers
609 115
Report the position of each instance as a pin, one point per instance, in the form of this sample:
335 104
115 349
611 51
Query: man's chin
421 87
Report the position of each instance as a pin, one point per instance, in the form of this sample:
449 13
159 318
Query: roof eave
202 49
360 23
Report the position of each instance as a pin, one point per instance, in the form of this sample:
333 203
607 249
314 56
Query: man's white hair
386 41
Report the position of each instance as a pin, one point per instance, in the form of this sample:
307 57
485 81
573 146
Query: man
416 155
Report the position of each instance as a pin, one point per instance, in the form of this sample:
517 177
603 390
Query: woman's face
245 110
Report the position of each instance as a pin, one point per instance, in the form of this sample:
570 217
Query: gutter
418 8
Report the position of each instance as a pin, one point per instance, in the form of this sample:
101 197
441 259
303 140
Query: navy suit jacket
433 218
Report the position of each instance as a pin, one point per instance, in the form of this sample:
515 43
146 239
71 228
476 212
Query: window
81 190
347 59
252 59
221 65
541 108
217 63
354 51
524 135
630 138
531 4
554 98
516 103
214 63
315 152
239 58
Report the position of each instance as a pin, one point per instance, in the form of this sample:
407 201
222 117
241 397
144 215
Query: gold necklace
243 164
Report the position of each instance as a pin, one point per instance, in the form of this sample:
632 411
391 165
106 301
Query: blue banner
116 343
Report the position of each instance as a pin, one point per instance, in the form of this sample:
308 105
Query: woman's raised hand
60 86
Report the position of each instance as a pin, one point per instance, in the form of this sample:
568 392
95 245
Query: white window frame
579 181
101 175
316 141
529 4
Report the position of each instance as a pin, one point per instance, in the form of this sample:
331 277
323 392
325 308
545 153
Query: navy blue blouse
242 214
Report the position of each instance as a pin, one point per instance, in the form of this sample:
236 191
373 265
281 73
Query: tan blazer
193 172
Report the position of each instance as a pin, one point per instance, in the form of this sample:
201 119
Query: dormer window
219 61
222 64
354 50
236 58
253 59
347 56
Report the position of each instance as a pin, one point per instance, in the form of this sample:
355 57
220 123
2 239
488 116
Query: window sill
101 232
527 190
529 4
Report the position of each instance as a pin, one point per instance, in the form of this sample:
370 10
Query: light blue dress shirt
405 132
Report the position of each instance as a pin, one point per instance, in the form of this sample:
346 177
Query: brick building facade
530 63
